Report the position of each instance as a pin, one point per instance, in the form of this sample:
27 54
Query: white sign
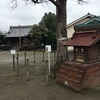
48 48
13 52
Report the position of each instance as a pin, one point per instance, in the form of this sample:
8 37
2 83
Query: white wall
70 29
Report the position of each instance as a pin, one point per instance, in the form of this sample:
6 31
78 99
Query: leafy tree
37 32
51 38
42 35
49 21
45 32
44 39
2 38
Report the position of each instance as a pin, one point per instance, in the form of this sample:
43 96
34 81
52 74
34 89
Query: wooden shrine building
84 70
18 35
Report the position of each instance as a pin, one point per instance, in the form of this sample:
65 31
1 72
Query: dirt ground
14 87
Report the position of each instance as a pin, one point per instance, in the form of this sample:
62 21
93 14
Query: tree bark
62 53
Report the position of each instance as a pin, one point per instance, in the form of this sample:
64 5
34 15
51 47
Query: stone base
79 75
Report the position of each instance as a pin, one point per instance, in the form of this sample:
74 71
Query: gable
90 23
93 20
88 16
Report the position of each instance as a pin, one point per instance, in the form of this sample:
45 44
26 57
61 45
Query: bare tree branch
38 1
41 1
35 1
14 5
56 4
82 1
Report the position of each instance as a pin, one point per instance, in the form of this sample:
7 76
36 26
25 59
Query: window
80 54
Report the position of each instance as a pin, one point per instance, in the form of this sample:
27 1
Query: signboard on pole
13 52
48 48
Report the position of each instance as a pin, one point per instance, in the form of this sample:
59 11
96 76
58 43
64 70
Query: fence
34 57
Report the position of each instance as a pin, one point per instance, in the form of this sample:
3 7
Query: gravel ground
14 87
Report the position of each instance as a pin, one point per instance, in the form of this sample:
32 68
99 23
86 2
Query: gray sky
32 14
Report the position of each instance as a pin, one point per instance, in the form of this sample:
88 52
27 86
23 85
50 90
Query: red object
83 39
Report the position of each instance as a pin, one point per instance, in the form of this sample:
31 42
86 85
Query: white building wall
70 29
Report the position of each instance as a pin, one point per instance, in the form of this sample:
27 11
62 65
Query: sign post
48 50
13 52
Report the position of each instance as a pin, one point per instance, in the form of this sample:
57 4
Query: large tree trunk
62 53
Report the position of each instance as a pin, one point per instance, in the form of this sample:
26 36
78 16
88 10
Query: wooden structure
18 35
84 70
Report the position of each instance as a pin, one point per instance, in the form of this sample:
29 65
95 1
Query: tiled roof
83 39
19 31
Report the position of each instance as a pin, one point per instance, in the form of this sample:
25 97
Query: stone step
70 75
65 78
79 67
72 70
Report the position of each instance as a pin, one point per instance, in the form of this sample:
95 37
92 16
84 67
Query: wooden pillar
74 53
13 62
86 55
28 70
34 56
25 57
20 41
17 61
